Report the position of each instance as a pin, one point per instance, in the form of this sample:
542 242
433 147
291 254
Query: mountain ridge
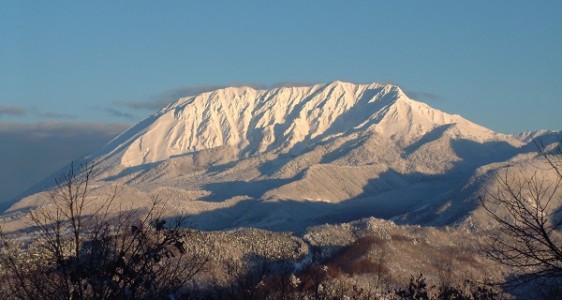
281 119
292 157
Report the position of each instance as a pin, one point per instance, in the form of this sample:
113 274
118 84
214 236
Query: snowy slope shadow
419 201
138 170
222 191
282 215
463 197
379 200
433 135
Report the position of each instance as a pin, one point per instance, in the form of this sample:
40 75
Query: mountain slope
283 119
292 157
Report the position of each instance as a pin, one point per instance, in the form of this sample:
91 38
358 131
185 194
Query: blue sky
497 63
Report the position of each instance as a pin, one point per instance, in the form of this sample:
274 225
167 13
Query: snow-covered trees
102 254
528 210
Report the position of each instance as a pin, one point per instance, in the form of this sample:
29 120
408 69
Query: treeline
138 257
77 250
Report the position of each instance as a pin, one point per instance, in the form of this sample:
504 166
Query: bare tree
527 210
97 251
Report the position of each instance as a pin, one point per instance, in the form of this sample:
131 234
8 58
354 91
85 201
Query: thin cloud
143 104
52 115
117 113
61 129
282 84
423 95
12 111
167 97
286 84
19 111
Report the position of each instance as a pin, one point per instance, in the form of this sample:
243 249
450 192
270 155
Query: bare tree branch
524 209
103 254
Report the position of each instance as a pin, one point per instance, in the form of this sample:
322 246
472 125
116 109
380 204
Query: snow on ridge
282 119
528 136
310 154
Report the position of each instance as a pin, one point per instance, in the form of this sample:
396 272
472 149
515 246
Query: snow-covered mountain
291 157
289 119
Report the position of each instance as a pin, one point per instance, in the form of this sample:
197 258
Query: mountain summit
292 157
288 119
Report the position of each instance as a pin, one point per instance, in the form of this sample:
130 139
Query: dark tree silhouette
87 252
527 210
